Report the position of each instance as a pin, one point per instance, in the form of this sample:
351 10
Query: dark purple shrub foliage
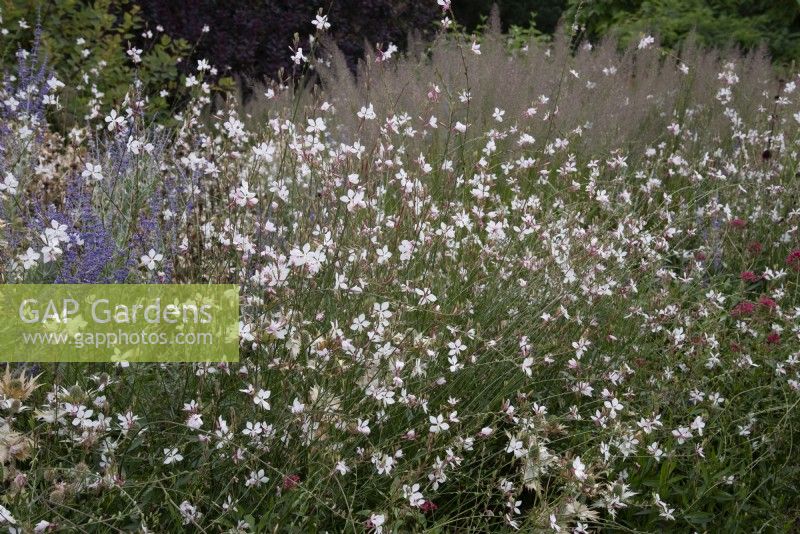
252 38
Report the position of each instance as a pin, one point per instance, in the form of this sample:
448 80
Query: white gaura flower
341 467
362 427
516 447
114 121
321 23
682 434
297 407
425 296
172 456
9 184
698 425
83 417
498 114
151 259
579 468
43 526
527 363
298 57
413 495
93 172
316 125
29 258
242 196
376 522
256 479
260 399
646 41
194 421
354 200
189 512
5 516
383 255
438 424
367 113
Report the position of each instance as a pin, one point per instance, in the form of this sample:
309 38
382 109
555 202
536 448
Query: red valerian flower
428 506
768 303
291 482
743 308
793 259
738 223
774 338
755 248
749 276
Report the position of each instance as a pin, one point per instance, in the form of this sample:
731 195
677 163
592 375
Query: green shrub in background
516 36
717 23
96 48
744 23
520 14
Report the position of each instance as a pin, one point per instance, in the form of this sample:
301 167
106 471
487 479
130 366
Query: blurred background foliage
716 23
543 14
87 41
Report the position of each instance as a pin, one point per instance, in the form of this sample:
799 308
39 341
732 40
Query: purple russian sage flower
92 255
11 236
149 235
33 73
75 215
29 84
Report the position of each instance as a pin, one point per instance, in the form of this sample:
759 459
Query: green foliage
717 23
87 44
522 14
520 35
516 36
